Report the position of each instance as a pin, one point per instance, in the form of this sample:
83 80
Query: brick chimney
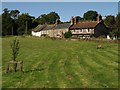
75 20
99 18
56 22
72 20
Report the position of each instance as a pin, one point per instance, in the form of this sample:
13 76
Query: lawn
61 64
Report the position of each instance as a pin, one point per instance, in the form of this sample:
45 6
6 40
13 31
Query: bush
67 34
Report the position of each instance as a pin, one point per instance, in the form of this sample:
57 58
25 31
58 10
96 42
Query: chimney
56 21
75 20
99 18
72 20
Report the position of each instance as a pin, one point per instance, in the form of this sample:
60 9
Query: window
88 30
80 30
74 30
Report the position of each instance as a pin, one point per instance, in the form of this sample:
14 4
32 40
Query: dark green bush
67 34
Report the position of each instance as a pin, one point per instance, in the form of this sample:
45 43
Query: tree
113 23
109 21
42 19
15 24
117 29
0 25
25 22
49 18
90 15
52 17
15 49
67 34
6 22
79 18
14 15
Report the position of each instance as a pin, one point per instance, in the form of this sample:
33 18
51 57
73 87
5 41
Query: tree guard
17 65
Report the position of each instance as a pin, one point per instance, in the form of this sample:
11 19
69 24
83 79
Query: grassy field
61 64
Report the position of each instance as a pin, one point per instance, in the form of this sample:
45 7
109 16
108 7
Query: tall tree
42 19
52 17
90 15
6 22
117 29
113 23
49 18
79 18
25 22
109 21
0 24
14 15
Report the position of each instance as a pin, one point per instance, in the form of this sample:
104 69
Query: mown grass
61 64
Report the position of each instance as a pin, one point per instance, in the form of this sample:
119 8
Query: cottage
56 30
86 29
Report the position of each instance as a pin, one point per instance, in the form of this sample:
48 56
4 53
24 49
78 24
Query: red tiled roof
87 24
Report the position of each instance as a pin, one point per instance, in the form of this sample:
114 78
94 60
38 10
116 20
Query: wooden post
21 66
7 67
16 65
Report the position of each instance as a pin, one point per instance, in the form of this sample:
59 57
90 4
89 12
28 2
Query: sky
64 9
60 0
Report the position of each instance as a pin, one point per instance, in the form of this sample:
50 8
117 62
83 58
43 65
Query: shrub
67 34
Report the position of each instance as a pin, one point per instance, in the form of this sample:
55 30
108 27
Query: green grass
61 64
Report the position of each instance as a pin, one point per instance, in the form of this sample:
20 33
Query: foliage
117 30
67 34
118 20
79 18
113 24
26 23
6 23
14 14
15 48
90 15
0 25
49 18
109 21
15 24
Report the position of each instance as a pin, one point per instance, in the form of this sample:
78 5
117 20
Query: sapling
15 49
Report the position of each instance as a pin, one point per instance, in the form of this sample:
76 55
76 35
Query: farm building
79 29
87 29
56 30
